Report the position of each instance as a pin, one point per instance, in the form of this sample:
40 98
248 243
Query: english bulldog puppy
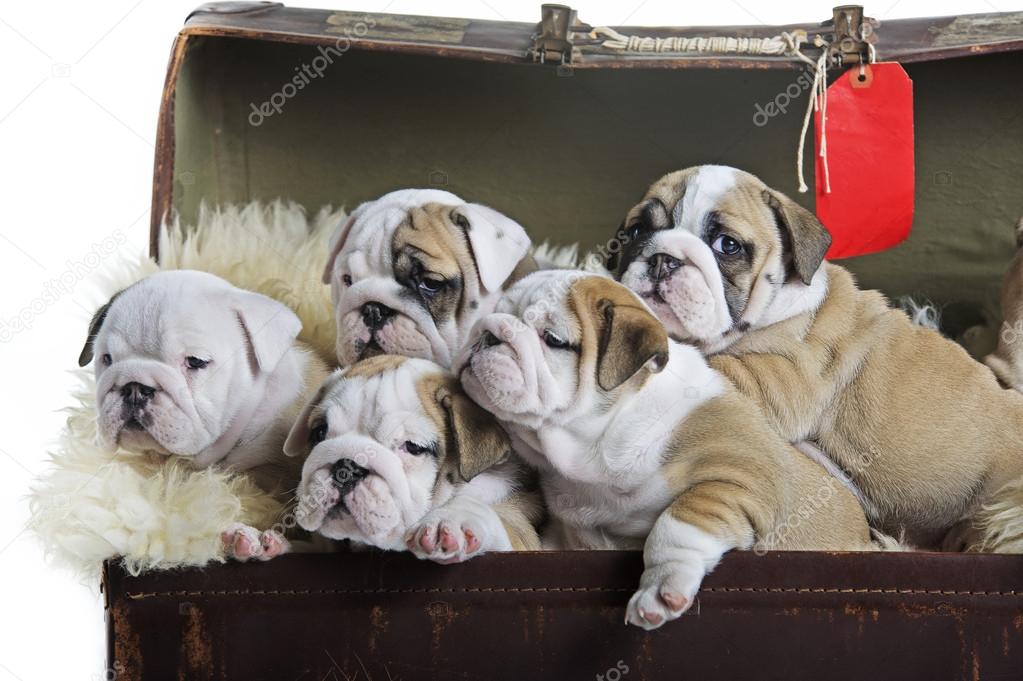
640 444
397 457
1007 360
737 268
413 270
189 366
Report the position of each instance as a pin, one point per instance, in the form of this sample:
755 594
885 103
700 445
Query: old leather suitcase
562 134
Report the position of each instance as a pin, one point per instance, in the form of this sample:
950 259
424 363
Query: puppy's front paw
456 533
244 543
665 592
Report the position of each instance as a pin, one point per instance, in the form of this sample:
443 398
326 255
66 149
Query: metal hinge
553 39
854 36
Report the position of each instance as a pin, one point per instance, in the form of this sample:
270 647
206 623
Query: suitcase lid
561 35
548 124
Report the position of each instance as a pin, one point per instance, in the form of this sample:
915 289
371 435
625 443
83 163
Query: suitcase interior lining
567 153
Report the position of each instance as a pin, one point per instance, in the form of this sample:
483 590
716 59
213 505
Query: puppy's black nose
661 266
346 474
375 315
136 395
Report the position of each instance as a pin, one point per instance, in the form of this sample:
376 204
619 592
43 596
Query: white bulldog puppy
640 444
397 457
189 366
413 270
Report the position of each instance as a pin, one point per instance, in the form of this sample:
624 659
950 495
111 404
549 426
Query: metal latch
854 36
553 39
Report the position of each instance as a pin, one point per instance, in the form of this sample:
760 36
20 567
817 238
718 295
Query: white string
781 45
818 102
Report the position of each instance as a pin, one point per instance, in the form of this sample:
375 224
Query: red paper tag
869 160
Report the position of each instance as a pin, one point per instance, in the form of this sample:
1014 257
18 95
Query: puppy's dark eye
196 363
554 340
726 245
417 449
633 231
107 360
346 279
318 434
429 286
460 220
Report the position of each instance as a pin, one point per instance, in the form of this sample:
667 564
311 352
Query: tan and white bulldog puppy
397 457
413 270
640 444
189 366
738 269
1007 360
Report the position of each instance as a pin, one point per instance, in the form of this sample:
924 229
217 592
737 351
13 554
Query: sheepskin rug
94 504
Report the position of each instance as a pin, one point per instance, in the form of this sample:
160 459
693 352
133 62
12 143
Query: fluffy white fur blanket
94 505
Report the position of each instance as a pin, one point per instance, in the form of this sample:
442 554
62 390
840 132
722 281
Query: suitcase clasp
854 36
553 39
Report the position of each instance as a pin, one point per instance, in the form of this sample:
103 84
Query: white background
81 83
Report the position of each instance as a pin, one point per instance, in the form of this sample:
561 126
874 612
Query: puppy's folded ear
337 242
631 337
85 356
479 440
805 235
270 327
497 242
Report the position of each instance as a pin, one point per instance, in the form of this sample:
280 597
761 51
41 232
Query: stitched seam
469 590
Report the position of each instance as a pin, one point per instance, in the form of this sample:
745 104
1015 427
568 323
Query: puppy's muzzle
661 266
375 315
345 474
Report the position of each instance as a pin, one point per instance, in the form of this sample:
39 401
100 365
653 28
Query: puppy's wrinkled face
385 441
412 271
710 247
174 354
561 344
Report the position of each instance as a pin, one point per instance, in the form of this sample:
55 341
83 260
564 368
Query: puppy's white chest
599 516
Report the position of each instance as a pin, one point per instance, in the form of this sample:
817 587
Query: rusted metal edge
163 158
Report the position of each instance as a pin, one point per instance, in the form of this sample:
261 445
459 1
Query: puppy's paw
457 532
244 543
665 592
